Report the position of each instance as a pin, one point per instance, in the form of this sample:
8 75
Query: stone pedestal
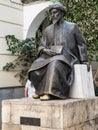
30 114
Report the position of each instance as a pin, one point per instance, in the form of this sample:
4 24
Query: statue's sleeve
81 45
43 42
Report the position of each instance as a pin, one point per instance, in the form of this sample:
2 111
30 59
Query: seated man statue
62 46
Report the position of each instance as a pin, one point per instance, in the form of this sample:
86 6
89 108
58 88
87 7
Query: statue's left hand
88 65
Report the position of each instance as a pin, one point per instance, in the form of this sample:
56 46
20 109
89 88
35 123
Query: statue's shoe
35 96
45 97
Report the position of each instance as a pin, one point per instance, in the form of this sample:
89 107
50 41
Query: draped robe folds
54 74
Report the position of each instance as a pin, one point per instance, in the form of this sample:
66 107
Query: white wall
34 14
22 22
11 23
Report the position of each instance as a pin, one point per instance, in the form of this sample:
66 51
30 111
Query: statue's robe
55 74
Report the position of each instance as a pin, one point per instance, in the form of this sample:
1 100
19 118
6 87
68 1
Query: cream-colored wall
34 14
11 23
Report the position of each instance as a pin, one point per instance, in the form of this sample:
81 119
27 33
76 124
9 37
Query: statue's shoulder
48 28
72 24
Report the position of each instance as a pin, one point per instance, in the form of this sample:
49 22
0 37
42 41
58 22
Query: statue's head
58 6
57 11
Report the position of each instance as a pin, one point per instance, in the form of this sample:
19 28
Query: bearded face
56 15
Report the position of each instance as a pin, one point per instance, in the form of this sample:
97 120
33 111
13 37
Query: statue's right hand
49 51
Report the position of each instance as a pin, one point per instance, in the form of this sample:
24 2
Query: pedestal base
30 114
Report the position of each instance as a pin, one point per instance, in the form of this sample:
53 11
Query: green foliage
26 53
9 66
53 1
85 14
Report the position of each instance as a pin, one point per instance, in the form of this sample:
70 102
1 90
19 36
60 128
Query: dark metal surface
30 121
53 73
29 1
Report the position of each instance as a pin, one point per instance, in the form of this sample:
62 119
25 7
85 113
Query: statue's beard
56 20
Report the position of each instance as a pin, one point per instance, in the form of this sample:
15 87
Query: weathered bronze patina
62 46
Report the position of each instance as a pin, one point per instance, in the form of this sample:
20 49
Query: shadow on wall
96 90
10 93
29 1
95 79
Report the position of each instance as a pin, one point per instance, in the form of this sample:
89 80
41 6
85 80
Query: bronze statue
62 46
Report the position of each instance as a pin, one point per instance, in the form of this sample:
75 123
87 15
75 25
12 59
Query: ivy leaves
26 52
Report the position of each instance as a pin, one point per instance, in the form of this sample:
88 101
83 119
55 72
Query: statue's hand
49 51
88 65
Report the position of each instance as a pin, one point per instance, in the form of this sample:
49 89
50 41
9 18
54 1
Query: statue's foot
45 97
35 96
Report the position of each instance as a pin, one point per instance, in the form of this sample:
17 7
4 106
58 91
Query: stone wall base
30 114
10 93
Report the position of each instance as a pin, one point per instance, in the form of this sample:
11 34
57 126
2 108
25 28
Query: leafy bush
26 53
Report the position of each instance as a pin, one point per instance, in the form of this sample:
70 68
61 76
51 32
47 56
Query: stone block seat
83 86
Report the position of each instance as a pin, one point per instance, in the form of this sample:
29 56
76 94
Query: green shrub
26 53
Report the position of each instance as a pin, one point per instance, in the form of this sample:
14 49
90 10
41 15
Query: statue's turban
59 6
